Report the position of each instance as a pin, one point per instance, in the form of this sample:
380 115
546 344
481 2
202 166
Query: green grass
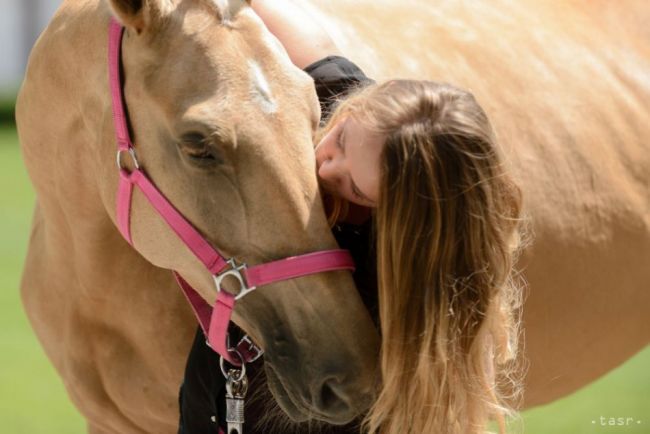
7 103
32 397
33 400
623 393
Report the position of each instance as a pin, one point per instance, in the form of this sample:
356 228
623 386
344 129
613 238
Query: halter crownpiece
214 320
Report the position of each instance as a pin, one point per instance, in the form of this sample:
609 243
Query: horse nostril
328 397
332 398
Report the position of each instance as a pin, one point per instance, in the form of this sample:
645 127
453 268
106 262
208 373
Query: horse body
566 89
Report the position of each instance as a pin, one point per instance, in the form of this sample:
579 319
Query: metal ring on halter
236 272
242 371
131 152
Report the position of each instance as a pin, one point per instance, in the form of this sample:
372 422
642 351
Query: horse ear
137 14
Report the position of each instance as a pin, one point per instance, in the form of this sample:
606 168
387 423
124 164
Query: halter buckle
236 271
251 347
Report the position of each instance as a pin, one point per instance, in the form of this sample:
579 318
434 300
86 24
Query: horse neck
68 141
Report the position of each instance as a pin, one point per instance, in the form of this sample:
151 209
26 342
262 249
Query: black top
335 77
202 395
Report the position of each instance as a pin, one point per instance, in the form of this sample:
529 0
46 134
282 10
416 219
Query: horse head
222 123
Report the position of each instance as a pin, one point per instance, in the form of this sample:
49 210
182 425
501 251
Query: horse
223 126
565 85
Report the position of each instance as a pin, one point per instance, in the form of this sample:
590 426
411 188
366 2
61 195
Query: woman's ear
139 15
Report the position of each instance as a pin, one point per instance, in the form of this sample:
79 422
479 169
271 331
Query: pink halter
214 321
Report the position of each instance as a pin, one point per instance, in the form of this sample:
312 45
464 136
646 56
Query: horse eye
198 149
204 154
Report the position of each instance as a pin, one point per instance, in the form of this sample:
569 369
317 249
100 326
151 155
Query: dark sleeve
335 77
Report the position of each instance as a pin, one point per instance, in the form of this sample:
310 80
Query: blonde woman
415 188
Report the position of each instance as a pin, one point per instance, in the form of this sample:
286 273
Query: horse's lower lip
286 402
282 396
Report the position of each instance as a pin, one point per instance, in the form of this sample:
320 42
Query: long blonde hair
447 233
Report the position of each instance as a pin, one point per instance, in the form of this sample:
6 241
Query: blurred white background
21 21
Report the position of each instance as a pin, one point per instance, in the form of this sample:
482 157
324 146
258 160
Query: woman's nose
330 170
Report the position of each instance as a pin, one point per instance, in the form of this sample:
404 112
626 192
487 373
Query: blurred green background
33 400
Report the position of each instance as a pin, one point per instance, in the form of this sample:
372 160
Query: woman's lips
324 186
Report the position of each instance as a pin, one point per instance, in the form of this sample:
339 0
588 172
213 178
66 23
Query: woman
410 168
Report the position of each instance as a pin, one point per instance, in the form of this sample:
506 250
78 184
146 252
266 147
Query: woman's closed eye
340 143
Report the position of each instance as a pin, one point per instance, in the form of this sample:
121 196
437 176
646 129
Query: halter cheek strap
213 320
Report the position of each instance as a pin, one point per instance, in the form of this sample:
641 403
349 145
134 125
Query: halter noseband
214 320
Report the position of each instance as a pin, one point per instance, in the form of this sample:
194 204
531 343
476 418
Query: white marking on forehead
260 89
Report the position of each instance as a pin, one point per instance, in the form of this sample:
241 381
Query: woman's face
348 162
